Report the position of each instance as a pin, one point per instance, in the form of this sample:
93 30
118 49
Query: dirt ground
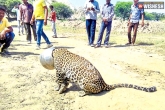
26 85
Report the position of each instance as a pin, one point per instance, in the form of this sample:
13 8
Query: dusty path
26 85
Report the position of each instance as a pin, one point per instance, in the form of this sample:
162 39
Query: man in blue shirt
107 14
91 10
133 21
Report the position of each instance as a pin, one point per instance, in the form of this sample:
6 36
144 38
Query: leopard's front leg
62 82
57 87
63 87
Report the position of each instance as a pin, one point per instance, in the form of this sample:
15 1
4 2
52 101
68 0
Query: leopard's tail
110 87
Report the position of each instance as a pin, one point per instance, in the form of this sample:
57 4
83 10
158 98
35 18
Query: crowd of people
28 18
107 13
35 17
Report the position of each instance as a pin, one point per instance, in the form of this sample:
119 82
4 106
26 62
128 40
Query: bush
62 11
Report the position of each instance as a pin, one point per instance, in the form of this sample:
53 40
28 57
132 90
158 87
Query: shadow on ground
24 53
57 47
138 44
145 43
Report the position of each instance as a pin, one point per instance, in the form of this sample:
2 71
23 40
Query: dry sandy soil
26 85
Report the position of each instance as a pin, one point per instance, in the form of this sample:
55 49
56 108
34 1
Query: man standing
26 12
133 21
6 32
40 14
91 10
16 10
107 14
53 20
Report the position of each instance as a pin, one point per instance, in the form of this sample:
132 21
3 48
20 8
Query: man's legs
34 31
135 27
54 29
22 28
106 41
28 32
92 31
88 29
129 32
39 32
102 28
9 38
39 26
18 25
45 37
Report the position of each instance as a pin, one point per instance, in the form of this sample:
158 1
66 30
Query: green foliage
158 16
154 16
122 9
63 11
9 4
82 18
149 16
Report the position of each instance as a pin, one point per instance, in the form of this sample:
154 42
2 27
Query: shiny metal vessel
46 58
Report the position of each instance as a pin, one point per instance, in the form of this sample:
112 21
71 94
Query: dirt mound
118 27
150 27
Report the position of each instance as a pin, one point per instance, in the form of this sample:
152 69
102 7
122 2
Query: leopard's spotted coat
76 69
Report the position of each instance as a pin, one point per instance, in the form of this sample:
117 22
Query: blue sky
80 3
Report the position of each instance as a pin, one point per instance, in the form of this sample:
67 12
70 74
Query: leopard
73 68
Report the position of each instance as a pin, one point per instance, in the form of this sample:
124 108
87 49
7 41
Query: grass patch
154 42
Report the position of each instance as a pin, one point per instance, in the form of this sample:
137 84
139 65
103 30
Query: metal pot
46 58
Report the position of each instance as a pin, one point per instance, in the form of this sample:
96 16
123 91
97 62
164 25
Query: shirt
91 14
107 11
17 13
39 12
53 15
26 12
135 13
4 24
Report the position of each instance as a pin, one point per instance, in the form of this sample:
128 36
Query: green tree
149 16
158 16
9 4
63 11
122 9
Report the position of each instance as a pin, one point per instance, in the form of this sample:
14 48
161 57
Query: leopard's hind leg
89 88
83 93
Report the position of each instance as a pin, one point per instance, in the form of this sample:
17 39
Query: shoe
97 46
37 47
54 36
128 44
49 45
29 42
106 46
5 52
133 44
92 45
